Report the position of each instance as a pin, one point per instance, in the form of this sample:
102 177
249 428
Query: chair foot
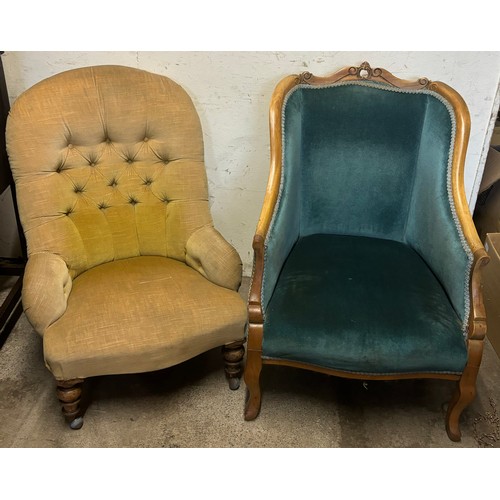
76 424
454 435
252 407
69 393
233 355
234 383
462 397
252 381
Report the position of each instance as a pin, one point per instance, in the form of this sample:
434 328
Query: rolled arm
213 257
46 288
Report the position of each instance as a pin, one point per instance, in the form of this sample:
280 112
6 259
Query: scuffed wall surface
232 90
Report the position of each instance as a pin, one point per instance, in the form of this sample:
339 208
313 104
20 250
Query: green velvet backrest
369 159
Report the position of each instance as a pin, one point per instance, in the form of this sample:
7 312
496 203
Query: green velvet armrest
46 287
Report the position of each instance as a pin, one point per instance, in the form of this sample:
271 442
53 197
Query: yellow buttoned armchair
126 272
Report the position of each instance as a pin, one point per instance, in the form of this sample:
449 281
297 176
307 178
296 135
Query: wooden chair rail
362 376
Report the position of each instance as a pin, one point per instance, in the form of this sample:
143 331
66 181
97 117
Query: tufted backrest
108 164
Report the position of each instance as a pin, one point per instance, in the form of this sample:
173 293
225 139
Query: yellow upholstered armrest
46 287
212 256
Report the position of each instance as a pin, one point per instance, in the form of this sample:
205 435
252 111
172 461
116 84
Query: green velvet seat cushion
363 305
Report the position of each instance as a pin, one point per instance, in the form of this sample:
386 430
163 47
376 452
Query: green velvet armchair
366 259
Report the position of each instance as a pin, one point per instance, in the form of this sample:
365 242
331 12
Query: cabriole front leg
69 394
465 391
252 370
252 381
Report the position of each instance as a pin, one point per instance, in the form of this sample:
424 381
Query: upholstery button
92 163
70 146
129 160
146 139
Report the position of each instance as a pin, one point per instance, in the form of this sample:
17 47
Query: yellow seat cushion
140 314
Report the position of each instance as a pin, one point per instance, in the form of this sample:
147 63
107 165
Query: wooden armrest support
477 320
255 314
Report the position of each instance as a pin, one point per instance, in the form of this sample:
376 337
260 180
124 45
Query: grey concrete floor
191 406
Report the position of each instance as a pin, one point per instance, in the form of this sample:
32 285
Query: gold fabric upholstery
126 272
118 314
108 163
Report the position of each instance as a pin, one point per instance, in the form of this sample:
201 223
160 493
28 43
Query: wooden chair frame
466 382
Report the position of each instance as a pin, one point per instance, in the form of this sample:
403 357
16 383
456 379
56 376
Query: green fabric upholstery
359 148
368 160
431 228
285 226
363 305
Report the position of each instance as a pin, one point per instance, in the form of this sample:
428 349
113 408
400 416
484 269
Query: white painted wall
232 90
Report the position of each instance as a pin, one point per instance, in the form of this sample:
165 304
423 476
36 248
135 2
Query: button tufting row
132 200
106 140
103 205
92 159
148 181
93 163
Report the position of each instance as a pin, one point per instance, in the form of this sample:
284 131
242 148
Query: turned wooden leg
252 380
69 393
465 391
233 355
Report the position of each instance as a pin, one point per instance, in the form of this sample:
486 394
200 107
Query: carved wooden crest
363 72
